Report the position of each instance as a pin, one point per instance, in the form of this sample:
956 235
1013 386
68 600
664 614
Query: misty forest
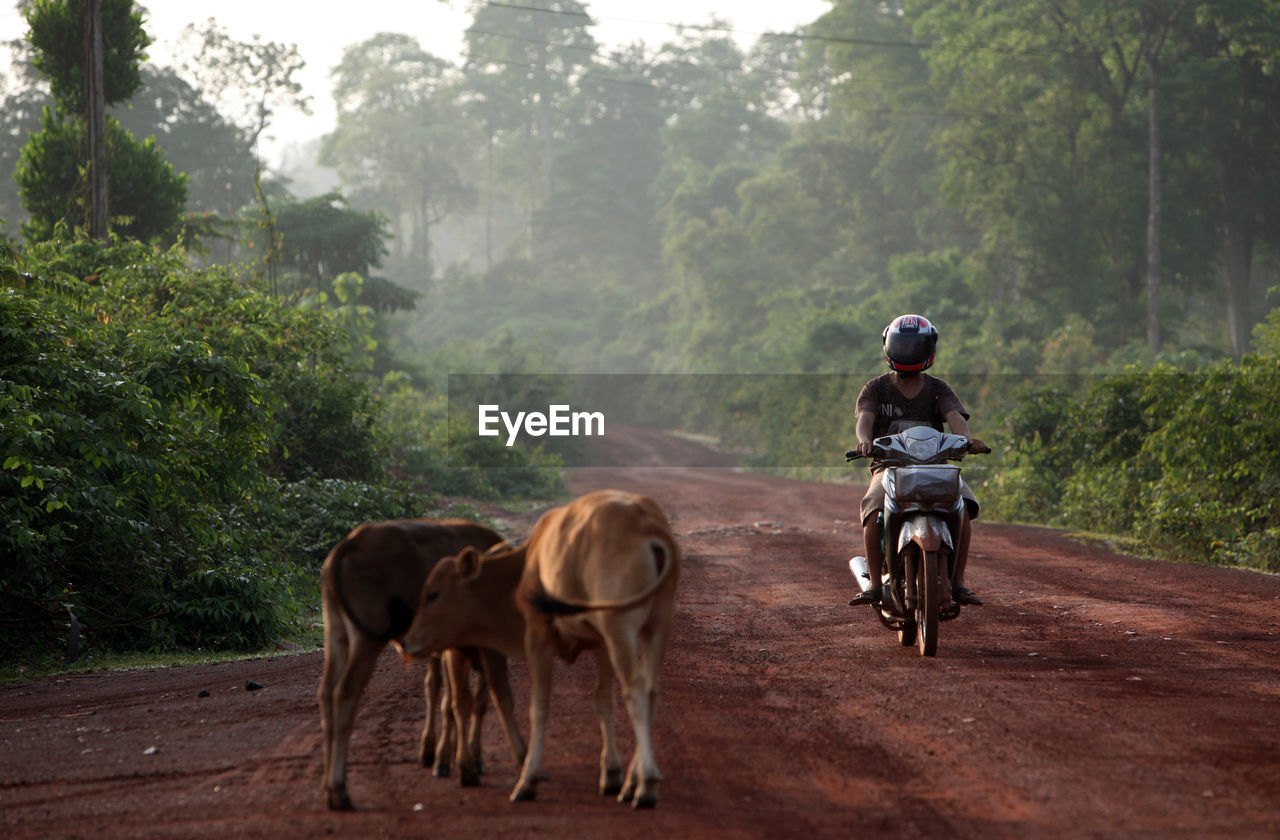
210 376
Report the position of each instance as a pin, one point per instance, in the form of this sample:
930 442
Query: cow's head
444 604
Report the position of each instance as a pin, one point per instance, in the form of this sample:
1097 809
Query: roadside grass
307 638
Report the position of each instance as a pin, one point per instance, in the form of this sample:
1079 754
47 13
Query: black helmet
909 343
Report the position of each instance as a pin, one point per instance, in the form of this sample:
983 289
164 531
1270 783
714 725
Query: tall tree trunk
96 120
544 123
1238 253
423 237
1236 172
1155 187
488 204
528 190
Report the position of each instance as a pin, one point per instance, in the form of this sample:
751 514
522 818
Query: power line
701 27
638 83
922 46
784 74
795 35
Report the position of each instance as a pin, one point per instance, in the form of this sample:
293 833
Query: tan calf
599 573
370 584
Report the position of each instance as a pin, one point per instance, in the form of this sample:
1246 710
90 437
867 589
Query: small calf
599 573
370 584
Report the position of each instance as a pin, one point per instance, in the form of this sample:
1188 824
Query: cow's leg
335 660
475 731
602 699
447 746
538 652
494 666
641 786
459 671
430 734
362 657
655 637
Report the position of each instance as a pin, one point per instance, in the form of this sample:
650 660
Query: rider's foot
870 596
965 595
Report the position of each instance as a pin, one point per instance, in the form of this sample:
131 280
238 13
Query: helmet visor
910 351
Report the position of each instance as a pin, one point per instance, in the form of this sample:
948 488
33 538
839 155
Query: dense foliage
1183 462
148 198
57 36
181 450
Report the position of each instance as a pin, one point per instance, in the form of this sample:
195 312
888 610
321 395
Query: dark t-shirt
882 398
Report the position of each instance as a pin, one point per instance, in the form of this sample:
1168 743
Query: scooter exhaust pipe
858 565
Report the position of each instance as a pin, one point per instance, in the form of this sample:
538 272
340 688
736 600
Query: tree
401 144
528 58
1156 22
601 210
147 196
1230 80
55 160
323 238
84 83
200 142
1042 148
57 36
21 107
865 167
245 81
716 118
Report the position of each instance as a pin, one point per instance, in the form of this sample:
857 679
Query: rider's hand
864 448
977 447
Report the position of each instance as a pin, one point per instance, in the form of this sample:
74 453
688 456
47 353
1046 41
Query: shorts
873 500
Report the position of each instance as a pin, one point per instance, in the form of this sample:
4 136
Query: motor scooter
923 508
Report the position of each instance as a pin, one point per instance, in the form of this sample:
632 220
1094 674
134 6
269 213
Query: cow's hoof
611 783
469 778
524 795
642 796
427 758
340 801
442 771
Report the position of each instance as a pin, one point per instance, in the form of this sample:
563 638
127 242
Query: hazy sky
322 29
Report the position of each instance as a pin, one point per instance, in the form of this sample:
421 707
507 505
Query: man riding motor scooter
907 396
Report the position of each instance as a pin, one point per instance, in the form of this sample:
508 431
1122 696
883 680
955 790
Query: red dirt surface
1094 695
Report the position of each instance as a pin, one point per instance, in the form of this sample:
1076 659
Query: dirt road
1094 695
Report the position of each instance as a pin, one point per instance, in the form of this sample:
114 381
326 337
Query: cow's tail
664 553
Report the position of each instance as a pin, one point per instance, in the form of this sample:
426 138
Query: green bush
1184 462
180 451
421 453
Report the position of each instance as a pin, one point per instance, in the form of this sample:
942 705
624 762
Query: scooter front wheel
928 595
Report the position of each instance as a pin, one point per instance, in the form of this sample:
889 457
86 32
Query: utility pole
96 117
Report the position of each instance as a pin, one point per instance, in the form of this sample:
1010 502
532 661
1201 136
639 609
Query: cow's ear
469 563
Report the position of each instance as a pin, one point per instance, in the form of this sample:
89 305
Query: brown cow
370 583
600 573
